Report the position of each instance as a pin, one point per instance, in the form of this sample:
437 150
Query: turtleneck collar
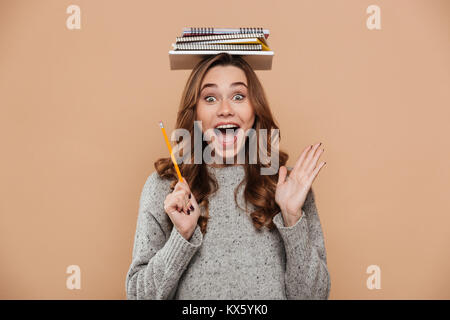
227 175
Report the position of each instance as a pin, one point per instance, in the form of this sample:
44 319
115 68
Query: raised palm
291 191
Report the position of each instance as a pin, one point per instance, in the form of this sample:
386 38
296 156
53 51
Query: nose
225 109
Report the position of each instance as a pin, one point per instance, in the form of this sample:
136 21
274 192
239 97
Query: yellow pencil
170 150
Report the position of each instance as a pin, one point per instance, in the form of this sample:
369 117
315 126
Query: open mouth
227 133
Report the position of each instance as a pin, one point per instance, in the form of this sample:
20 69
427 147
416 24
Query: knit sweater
233 260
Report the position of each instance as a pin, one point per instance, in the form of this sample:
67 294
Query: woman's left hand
290 194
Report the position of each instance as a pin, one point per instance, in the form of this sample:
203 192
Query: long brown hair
259 189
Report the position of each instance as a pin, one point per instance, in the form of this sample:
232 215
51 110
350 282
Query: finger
170 205
182 192
172 209
282 175
182 204
193 205
182 186
176 199
193 199
300 159
310 156
316 171
313 164
188 200
186 203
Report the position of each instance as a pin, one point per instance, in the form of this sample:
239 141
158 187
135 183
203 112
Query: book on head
197 43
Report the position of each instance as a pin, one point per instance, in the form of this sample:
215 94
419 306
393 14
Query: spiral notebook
198 43
192 31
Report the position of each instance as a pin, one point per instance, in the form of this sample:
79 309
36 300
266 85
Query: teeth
227 126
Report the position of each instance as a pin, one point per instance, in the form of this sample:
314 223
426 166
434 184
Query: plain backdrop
79 134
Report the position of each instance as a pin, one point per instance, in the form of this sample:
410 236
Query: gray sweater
232 260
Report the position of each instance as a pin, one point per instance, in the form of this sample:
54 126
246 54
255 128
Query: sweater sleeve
157 264
306 275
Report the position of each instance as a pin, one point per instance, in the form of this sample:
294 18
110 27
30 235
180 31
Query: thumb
282 175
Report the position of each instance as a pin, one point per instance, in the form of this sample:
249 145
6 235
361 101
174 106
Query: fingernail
188 211
189 195
191 207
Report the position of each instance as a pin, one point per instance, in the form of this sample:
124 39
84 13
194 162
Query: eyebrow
206 85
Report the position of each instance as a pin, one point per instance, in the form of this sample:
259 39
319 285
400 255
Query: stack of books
194 44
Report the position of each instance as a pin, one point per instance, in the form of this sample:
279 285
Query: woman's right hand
182 208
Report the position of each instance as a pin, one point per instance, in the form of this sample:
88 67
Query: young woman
227 231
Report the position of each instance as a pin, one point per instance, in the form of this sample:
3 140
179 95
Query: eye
241 96
207 97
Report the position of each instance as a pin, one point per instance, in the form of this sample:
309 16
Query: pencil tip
161 124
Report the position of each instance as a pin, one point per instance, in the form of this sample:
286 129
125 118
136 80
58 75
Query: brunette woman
227 231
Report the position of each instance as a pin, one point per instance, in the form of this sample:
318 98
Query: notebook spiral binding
197 30
251 30
219 37
234 47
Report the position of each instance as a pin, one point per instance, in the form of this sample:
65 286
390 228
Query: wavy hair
259 189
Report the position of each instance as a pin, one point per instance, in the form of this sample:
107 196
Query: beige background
79 134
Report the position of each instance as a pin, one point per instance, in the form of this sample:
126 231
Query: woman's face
224 109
